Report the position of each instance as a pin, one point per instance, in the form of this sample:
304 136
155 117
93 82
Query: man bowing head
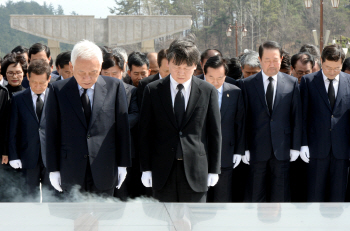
88 138
180 134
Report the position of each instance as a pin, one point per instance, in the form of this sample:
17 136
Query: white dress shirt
220 91
335 83
35 98
2 81
61 77
186 91
266 82
89 92
160 77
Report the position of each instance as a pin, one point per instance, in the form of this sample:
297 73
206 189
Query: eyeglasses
11 74
337 69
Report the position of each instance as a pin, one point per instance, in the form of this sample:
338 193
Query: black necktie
179 105
86 106
39 106
269 95
331 93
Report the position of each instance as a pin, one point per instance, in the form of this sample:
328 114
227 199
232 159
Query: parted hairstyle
39 67
215 62
183 51
16 59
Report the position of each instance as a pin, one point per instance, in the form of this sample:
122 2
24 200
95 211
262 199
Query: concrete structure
112 31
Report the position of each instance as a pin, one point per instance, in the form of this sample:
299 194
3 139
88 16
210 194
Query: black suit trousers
269 181
327 179
177 189
222 191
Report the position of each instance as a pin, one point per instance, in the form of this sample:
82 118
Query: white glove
121 176
212 179
246 157
55 179
146 179
16 164
236 160
305 153
294 154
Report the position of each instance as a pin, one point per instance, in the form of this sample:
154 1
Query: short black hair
333 53
38 47
215 62
20 50
137 59
1 60
161 55
63 59
312 49
39 67
346 65
183 51
234 68
286 62
304 57
13 58
111 60
205 54
269 45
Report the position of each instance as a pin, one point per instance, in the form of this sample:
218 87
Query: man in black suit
180 134
232 127
27 129
62 66
326 123
88 136
163 72
138 64
205 56
273 127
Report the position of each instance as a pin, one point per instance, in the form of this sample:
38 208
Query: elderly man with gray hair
88 137
250 64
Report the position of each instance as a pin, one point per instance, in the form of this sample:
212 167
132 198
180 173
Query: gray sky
99 8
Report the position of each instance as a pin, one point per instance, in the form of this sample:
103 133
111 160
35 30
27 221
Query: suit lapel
342 89
259 85
224 100
318 80
100 93
192 101
43 113
165 96
27 97
73 96
279 90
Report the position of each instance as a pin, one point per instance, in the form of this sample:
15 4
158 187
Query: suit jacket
58 78
199 134
27 133
25 81
232 124
277 133
71 144
142 84
4 112
324 128
227 80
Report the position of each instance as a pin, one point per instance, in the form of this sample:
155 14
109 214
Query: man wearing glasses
326 123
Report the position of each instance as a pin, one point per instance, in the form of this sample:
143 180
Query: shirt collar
325 77
186 84
266 77
80 87
160 77
221 89
36 94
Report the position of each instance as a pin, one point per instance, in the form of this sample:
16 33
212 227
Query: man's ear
149 71
129 73
71 67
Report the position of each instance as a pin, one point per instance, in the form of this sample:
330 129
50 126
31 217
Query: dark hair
183 51
205 54
285 64
110 60
234 68
333 53
13 58
346 64
161 55
304 57
269 45
1 60
63 59
215 62
39 67
137 59
38 47
312 49
20 50
105 49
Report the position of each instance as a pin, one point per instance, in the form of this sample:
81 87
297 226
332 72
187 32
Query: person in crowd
62 65
21 50
346 66
326 122
180 132
232 127
250 64
153 62
92 112
273 127
234 68
285 64
138 67
302 64
27 130
315 52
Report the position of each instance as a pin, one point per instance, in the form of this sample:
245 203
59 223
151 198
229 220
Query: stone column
54 49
